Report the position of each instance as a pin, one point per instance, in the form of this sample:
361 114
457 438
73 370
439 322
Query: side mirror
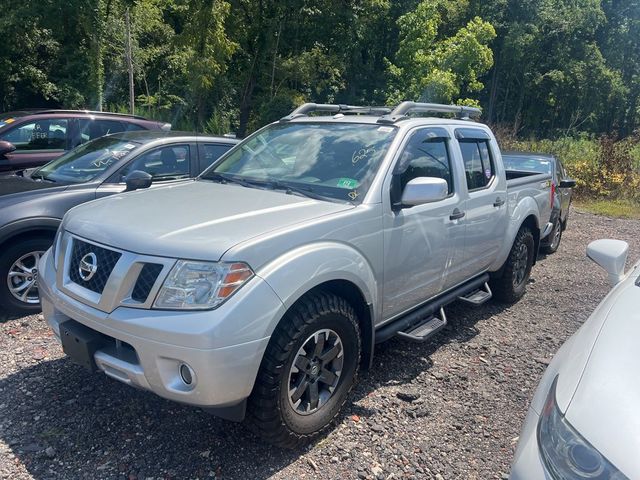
6 147
137 179
423 190
567 183
610 255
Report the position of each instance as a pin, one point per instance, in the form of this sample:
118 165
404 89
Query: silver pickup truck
260 289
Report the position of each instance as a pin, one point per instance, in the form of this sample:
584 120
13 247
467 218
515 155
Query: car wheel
554 239
510 287
307 372
19 276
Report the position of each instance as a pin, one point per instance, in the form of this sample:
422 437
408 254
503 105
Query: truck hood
195 220
604 408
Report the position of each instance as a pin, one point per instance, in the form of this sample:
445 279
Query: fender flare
307 267
527 208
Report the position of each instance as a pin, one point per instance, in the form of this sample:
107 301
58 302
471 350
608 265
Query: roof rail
53 110
402 111
307 108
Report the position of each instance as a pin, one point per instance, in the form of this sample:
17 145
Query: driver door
422 244
166 164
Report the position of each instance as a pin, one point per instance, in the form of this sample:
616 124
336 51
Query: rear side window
425 156
478 164
90 129
39 135
210 153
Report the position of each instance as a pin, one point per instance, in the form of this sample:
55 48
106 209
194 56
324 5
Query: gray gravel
450 408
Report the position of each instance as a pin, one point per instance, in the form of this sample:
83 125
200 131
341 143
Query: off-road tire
270 413
9 305
509 288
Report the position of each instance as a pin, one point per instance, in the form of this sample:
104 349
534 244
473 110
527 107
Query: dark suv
31 138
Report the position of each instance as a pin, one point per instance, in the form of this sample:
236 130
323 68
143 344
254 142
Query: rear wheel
510 287
19 276
307 372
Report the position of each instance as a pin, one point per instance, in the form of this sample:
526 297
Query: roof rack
307 108
402 111
45 111
388 114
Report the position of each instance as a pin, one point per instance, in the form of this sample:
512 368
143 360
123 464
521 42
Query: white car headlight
566 454
201 285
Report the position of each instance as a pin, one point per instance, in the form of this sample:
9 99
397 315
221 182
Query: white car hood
605 408
194 220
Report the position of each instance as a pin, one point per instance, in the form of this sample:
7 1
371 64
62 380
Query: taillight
553 192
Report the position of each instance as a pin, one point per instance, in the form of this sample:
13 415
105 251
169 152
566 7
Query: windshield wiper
42 177
222 178
290 190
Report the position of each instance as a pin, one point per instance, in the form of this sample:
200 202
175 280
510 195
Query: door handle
499 202
456 215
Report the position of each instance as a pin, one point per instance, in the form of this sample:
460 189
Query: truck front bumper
150 349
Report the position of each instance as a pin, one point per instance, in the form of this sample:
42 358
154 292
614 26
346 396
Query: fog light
186 373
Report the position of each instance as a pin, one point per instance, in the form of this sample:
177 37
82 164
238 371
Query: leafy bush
604 168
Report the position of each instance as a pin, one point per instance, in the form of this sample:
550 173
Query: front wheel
307 372
555 236
19 276
510 287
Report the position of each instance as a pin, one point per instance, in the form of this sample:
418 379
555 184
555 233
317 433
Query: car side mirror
611 255
137 180
6 147
423 190
567 183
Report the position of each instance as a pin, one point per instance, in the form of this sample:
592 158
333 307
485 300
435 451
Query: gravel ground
449 408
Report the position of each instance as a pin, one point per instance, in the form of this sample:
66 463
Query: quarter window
478 163
90 129
40 135
425 156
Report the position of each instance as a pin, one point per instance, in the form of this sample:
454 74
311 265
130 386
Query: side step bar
426 311
427 328
479 296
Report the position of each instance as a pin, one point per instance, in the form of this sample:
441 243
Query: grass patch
610 208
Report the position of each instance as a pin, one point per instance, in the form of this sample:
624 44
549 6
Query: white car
584 420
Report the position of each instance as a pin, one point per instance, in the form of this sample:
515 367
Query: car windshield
87 161
332 161
527 164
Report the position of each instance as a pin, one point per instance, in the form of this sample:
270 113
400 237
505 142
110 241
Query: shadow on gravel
62 422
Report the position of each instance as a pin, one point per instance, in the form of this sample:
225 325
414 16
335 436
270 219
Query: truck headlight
566 454
201 285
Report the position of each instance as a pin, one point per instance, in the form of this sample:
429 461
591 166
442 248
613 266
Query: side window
164 163
210 153
425 156
478 164
90 129
40 135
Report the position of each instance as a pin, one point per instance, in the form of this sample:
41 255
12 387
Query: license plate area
80 343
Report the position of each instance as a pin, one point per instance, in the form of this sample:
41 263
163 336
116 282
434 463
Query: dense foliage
537 67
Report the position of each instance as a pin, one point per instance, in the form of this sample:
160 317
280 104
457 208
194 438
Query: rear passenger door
486 205
423 245
209 153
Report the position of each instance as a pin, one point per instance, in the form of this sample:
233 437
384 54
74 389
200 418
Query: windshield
87 161
322 160
527 164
